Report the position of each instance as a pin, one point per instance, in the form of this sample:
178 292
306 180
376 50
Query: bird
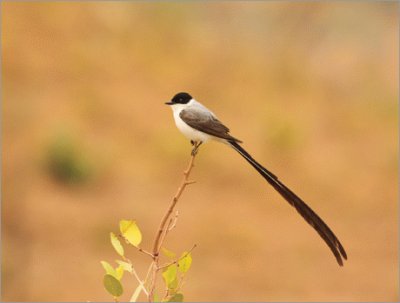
199 125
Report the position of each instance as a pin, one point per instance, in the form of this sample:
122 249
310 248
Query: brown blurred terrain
311 89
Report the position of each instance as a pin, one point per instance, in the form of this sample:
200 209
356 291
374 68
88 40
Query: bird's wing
205 122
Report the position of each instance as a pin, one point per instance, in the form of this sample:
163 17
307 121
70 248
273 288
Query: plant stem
162 228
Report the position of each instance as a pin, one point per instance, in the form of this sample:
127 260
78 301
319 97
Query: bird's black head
180 98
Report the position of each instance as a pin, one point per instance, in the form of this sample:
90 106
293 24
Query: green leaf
116 273
185 262
176 298
125 265
173 285
116 244
119 272
112 285
168 253
108 268
169 275
130 231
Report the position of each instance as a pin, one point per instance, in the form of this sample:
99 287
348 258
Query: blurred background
311 89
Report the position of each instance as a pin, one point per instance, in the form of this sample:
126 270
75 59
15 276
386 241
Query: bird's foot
196 147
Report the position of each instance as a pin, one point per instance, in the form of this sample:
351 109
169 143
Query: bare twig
177 260
163 228
134 273
146 279
144 251
137 247
172 222
153 280
181 188
140 281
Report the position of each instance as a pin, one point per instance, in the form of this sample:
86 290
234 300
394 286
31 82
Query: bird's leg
192 142
196 147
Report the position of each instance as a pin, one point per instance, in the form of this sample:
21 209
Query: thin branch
140 281
163 228
153 280
148 272
134 273
145 251
181 188
177 260
172 222
190 182
137 247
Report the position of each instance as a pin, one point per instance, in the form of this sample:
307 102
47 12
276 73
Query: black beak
169 103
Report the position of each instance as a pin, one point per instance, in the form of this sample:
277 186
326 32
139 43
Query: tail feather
302 208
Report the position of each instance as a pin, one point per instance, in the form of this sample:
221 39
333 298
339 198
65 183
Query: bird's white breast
188 131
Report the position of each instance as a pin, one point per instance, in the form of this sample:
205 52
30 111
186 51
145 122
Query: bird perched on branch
199 125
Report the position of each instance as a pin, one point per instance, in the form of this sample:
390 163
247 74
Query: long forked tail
302 208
